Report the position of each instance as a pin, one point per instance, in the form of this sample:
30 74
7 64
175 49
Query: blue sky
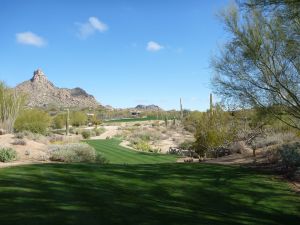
124 52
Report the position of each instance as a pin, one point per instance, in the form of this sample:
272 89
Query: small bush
55 138
19 135
79 152
272 154
36 137
186 145
19 142
86 134
155 124
7 154
99 131
71 130
239 147
142 146
92 133
290 156
272 139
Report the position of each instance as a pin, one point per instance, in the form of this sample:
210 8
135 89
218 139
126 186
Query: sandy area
32 152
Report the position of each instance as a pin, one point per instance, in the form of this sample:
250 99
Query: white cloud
29 38
97 24
153 46
90 27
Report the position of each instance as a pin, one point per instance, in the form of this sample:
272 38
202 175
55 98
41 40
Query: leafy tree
287 8
59 121
34 120
11 103
214 129
95 120
78 118
259 67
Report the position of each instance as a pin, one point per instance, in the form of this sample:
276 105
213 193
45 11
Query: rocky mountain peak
148 107
43 93
39 76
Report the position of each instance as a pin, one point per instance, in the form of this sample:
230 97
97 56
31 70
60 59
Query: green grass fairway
177 194
117 154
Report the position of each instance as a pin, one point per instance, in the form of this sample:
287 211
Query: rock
43 93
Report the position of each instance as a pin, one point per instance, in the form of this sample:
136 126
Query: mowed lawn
117 154
178 194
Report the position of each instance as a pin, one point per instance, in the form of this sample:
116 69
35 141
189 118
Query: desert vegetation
10 105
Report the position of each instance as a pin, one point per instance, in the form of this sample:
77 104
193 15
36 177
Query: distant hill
42 93
148 107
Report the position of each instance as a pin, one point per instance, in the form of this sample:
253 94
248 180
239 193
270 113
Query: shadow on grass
143 194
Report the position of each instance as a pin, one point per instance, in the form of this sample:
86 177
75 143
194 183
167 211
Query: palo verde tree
33 120
214 129
259 67
11 103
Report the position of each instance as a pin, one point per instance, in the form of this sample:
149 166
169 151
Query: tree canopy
259 66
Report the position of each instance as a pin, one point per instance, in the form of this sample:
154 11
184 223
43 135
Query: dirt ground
32 152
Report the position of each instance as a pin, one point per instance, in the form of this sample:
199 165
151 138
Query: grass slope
165 194
117 154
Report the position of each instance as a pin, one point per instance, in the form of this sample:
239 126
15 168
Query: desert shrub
191 121
86 134
79 152
164 131
272 154
7 154
11 103
99 131
290 155
33 120
155 150
93 133
239 147
272 139
141 145
214 130
19 135
187 145
262 142
155 124
59 121
78 118
19 142
36 137
55 138
146 135
71 130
